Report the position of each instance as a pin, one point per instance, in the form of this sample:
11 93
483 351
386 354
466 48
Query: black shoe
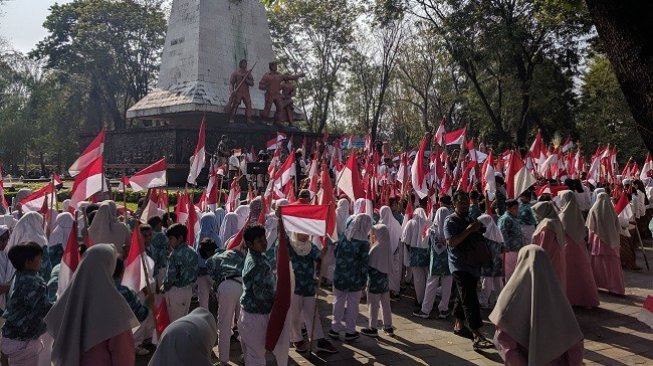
352 336
419 314
325 346
443 315
389 331
370 332
334 335
304 333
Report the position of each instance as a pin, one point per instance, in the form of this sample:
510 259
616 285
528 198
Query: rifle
233 92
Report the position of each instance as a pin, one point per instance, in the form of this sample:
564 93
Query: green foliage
604 115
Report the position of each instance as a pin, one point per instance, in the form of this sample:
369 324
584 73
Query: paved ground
613 335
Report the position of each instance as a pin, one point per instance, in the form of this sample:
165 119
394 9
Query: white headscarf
342 214
187 341
533 309
90 310
243 214
229 226
107 229
571 217
380 251
28 228
219 216
438 221
394 227
546 215
414 232
9 221
66 205
52 219
359 205
492 232
62 229
302 248
603 221
359 227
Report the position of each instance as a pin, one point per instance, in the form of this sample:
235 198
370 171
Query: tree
314 37
113 46
604 115
623 27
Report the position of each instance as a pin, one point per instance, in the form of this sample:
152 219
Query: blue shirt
27 305
526 216
474 211
158 251
513 239
226 265
439 262
182 267
352 261
259 284
452 227
377 282
137 307
53 283
304 268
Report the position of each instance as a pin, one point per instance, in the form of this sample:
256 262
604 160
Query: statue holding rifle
239 83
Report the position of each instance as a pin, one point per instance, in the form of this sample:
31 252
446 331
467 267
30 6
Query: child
259 284
27 305
226 271
492 273
140 310
378 290
304 256
205 250
158 249
181 272
352 259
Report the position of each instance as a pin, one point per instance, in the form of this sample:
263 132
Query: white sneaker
140 351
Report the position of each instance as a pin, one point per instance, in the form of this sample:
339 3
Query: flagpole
124 194
220 190
143 262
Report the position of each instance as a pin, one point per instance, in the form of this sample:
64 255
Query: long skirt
581 287
606 265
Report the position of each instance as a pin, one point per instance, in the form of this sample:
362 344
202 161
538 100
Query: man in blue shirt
181 272
461 233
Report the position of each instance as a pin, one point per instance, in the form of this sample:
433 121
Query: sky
21 22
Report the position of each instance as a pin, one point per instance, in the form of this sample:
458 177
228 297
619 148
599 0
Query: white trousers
373 301
302 310
145 330
204 284
253 329
445 283
419 282
351 301
228 295
489 285
178 301
22 353
397 263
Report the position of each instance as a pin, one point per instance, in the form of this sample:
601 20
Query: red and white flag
439 134
88 182
647 167
39 199
282 295
518 178
623 209
456 137
567 145
181 210
285 172
418 171
90 154
489 177
198 160
134 277
306 219
151 177
69 261
161 316
328 199
349 180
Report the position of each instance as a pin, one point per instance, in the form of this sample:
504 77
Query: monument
215 52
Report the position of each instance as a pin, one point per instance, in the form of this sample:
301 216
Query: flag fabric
193 223
39 199
285 172
92 152
181 210
646 314
3 201
489 177
306 219
418 172
623 209
161 316
237 242
151 177
518 177
646 168
124 183
58 183
69 261
327 199
88 182
439 134
456 137
567 145
134 276
198 160
349 180
282 295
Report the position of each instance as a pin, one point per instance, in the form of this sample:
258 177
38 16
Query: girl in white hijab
342 214
397 250
59 237
550 235
30 228
416 239
378 291
492 274
187 341
535 324
604 227
107 229
243 214
91 322
229 227
581 288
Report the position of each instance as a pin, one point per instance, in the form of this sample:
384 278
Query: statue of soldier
223 150
239 83
271 84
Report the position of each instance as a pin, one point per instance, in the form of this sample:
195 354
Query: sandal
463 332
482 343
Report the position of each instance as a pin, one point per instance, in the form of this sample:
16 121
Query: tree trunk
623 28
